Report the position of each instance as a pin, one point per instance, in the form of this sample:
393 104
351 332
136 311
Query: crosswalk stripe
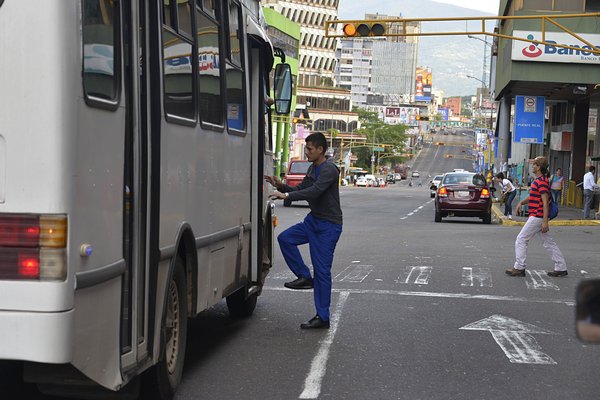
357 274
418 275
538 280
481 275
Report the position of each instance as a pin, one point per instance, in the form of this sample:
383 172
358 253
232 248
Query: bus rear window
100 50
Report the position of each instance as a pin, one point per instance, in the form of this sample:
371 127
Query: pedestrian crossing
423 275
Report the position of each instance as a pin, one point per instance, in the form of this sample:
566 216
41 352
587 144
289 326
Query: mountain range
451 58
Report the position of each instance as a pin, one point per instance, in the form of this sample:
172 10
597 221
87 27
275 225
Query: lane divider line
318 367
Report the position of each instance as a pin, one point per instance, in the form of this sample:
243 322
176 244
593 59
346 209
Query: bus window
178 66
209 7
100 53
210 99
236 104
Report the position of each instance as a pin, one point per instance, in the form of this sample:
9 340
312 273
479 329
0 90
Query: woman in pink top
557 184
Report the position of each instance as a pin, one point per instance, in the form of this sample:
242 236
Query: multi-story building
317 58
381 68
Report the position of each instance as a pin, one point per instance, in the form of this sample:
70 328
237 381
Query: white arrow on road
514 338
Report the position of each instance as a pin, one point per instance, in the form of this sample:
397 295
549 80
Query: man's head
541 164
592 169
316 146
500 175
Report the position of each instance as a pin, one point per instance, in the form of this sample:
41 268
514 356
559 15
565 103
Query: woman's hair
500 175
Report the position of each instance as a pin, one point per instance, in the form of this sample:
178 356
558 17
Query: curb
502 220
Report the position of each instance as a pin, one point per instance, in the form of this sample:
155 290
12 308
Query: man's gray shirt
321 191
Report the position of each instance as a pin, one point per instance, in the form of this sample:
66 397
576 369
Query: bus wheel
241 306
163 379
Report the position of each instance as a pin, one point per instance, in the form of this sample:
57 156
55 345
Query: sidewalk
567 216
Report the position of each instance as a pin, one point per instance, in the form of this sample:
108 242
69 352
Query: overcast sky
489 6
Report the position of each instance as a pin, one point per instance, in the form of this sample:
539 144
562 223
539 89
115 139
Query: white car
361 181
435 182
415 174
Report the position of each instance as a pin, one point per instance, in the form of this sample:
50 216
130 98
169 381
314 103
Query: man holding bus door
321 228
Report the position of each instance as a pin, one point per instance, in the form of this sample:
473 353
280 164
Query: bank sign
529 119
524 51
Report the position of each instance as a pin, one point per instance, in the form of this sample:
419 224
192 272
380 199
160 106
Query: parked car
381 182
295 174
390 178
415 174
361 182
435 182
463 194
371 180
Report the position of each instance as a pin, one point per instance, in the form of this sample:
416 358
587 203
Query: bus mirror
283 88
587 311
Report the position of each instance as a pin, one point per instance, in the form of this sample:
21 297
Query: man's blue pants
322 237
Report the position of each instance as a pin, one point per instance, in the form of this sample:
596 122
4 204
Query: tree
378 134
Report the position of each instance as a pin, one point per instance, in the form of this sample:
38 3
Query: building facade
559 84
317 58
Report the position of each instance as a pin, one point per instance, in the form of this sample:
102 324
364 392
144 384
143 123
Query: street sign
529 119
379 149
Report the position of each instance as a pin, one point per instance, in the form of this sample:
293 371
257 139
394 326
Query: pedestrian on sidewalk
537 224
557 185
589 184
321 228
508 193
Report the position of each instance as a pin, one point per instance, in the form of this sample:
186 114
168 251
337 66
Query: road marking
416 210
481 275
410 293
358 274
312 383
283 275
514 338
538 280
420 275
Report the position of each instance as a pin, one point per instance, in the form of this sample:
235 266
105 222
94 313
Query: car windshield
299 167
438 178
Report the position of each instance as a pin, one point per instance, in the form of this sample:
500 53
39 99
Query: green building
564 79
284 34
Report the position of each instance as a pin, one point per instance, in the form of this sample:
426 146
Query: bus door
261 152
134 308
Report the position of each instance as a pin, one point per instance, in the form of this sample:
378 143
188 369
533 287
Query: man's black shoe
299 284
315 323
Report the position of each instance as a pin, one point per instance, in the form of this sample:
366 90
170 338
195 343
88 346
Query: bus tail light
33 247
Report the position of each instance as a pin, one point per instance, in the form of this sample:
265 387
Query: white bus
134 136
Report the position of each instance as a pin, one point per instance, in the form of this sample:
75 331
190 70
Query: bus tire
162 380
241 306
287 202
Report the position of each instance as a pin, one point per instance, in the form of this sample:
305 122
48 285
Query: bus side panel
206 182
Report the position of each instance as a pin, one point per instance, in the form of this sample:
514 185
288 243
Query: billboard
423 85
525 51
444 112
401 115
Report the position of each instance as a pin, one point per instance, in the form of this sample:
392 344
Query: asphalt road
421 311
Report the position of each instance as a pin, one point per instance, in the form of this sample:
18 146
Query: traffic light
363 29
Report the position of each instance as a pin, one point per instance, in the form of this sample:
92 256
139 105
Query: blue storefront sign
529 119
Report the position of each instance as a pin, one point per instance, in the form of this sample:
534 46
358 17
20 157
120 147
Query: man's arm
327 177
